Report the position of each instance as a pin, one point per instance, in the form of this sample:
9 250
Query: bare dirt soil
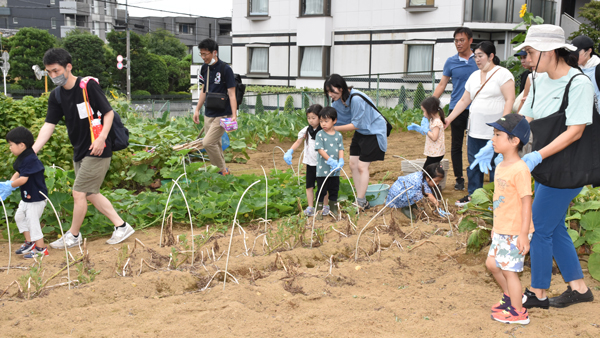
410 280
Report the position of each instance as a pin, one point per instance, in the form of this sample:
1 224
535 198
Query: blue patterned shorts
505 252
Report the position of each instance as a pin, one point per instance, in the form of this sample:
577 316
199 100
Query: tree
289 105
419 96
148 71
402 98
163 42
87 51
178 73
590 11
258 106
27 48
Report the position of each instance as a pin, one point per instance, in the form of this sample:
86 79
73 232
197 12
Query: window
15 21
96 31
258 7
315 7
507 11
258 60
413 3
185 28
106 8
224 29
419 58
107 27
69 20
95 7
53 23
53 2
314 62
225 54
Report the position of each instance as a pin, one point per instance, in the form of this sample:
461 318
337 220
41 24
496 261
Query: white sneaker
68 239
121 234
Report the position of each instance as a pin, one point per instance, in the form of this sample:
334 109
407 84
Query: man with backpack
218 95
92 152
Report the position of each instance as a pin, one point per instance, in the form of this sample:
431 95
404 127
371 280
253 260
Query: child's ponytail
432 106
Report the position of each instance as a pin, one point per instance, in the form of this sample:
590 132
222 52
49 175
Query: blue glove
288 157
532 159
443 213
340 164
6 189
484 158
414 127
498 159
423 128
332 163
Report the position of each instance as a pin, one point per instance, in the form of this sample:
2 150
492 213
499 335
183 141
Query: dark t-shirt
523 80
72 108
32 168
221 78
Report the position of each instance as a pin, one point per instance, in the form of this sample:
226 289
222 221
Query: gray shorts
90 173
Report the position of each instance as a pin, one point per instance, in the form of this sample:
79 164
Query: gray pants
27 218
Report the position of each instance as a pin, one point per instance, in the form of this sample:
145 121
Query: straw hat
545 38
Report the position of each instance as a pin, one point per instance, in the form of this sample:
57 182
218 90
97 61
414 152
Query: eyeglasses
205 54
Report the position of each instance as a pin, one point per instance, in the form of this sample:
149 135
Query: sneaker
120 234
25 248
225 172
326 210
365 205
571 297
310 211
68 239
502 305
511 316
530 300
35 253
460 184
463 201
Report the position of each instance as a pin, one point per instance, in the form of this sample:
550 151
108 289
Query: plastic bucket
379 193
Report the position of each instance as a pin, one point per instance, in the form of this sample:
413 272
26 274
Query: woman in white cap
559 107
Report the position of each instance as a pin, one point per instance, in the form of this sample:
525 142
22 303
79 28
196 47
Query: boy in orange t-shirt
513 225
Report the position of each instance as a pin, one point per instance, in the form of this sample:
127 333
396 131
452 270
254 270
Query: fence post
377 100
278 103
433 82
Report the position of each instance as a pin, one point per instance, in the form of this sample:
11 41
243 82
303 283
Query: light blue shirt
591 73
367 120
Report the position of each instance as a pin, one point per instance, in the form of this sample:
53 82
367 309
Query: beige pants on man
212 140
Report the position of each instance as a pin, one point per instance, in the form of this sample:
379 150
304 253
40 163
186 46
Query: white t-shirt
488 106
310 154
549 94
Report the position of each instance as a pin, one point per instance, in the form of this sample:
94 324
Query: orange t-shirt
511 183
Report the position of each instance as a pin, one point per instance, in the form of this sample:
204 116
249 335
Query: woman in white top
491 93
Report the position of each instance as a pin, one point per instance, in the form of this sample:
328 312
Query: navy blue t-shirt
459 71
221 78
32 167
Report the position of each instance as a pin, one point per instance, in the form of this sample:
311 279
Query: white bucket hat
545 38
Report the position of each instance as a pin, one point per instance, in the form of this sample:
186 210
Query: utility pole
128 54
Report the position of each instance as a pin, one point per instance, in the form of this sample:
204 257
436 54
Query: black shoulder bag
214 101
576 165
387 123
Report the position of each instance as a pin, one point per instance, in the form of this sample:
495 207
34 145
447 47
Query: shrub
289 104
305 101
402 98
244 106
140 93
259 108
419 96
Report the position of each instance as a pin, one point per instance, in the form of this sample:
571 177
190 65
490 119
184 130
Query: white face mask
212 62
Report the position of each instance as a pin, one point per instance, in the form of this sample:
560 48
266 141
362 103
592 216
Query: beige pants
212 140
90 173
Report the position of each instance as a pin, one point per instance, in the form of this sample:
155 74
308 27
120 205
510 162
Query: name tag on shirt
82 110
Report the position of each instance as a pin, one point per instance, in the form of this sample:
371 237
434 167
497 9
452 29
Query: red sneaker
37 253
511 316
224 172
502 305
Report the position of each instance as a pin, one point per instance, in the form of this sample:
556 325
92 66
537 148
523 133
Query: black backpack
119 135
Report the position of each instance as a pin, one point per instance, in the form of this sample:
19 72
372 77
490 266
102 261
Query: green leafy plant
289 104
478 218
258 107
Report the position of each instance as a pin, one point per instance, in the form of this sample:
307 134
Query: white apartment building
300 42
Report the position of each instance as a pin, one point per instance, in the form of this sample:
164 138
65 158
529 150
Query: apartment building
300 42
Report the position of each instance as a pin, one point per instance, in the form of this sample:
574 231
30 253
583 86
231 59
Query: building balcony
65 29
75 7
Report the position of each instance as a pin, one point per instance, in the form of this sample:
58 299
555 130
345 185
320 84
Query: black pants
431 160
332 186
458 127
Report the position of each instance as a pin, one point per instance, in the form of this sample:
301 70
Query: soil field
410 280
